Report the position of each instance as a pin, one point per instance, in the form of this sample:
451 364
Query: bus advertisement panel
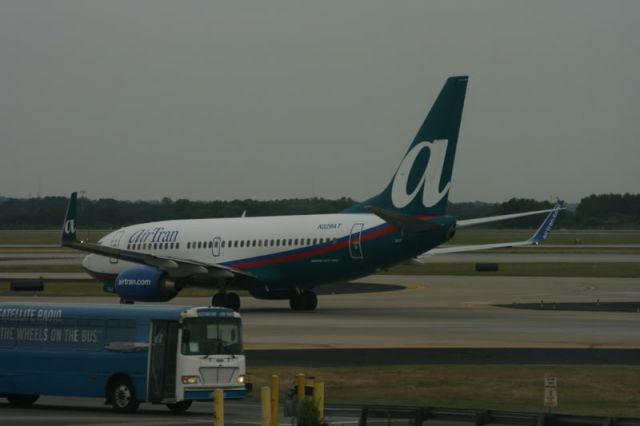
171 355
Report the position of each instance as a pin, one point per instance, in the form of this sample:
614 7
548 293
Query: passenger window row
277 242
153 246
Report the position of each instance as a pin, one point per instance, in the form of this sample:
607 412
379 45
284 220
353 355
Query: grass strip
95 288
45 236
546 269
35 267
563 237
582 390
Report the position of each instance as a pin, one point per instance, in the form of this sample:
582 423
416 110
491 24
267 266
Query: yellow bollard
218 407
318 396
275 399
308 387
300 382
265 398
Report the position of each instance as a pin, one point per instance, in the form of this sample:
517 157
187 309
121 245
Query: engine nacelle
145 284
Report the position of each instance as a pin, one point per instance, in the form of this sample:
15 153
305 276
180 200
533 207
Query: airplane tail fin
421 183
68 234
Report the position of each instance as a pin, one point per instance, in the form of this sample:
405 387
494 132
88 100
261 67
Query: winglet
545 229
68 234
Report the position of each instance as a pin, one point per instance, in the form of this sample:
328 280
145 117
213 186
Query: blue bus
128 354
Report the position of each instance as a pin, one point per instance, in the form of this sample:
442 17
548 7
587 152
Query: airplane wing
175 267
470 222
541 234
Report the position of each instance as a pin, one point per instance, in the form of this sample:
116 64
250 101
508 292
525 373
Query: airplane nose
88 261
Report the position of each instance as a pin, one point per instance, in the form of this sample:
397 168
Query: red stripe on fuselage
389 229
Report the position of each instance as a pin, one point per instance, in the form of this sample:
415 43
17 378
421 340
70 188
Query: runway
440 312
452 312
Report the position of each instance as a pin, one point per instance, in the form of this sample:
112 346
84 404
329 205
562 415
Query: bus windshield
211 336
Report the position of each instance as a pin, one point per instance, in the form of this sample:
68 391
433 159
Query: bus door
215 248
355 240
162 361
115 243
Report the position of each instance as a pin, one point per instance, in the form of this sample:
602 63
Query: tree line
595 211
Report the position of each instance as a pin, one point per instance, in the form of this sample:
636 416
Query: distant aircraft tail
421 183
68 234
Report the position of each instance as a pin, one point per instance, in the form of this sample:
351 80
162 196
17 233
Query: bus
128 354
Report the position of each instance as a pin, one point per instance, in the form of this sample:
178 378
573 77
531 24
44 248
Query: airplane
286 257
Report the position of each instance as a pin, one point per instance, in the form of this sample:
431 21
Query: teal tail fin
421 183
69 225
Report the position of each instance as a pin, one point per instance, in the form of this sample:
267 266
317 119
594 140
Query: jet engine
145 284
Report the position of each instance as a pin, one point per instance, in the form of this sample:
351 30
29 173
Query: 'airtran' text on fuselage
155 235
329 226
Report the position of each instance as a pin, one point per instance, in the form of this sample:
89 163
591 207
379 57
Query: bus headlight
190 380
240 379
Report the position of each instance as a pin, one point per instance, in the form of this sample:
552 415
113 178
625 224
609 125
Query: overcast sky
280 99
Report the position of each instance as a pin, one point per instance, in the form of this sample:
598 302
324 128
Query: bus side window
120 331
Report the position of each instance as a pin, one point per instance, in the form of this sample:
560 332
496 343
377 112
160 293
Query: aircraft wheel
22 400
310 300
296 302
219 299
233 301
303 301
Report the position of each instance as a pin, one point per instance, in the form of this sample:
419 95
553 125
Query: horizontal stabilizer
406 223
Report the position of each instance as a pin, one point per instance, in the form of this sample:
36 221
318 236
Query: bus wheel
122 396
22 399
179 407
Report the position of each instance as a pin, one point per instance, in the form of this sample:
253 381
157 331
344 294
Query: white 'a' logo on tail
430 180
70 227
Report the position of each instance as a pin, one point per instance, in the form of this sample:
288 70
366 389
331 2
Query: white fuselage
240 243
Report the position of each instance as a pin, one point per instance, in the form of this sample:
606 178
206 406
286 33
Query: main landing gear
226 300
305 300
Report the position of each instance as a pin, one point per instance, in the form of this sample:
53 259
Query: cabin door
355 240
217 245
162 361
